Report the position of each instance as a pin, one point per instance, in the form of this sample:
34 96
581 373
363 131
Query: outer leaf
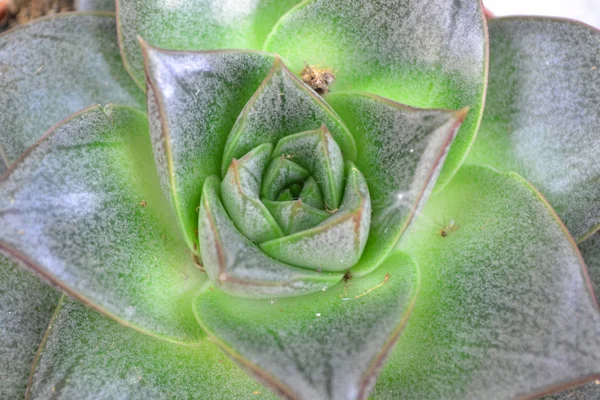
87 356
193 102
238 265
430 54
83 209
26 306
590 250
194 25
328 345
402 150
504 309
52 68
588 391
542 114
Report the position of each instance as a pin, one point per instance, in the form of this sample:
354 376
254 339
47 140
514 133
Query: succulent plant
310 202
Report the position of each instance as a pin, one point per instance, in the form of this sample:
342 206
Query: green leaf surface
590 249
430 54
282 106
238 265
240 193
402 150
504 309
319 153
26 306
541 117
194 25
52 68
327 345
87 356
295 216
337 243
193 102
279 175
84 210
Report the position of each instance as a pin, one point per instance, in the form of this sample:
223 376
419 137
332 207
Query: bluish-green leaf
327 345
53 67
401 153
193 101
87 356
194 25
238 265
26 307
504 309
84 210
541 117
430 54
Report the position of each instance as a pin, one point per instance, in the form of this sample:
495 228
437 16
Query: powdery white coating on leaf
83 209
283 106
88 356
318 152
429 54
542 115
195 25
240 194
504 309
26 306
52 68
281 173
337 243
590 249
194 99
321 346
239 266
295 216
401 152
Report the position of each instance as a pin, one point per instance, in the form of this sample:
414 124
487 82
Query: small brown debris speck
347 276
317 78
143 203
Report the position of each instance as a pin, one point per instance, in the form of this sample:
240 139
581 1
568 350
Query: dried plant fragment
317 78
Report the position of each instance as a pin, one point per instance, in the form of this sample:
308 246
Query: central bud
300 202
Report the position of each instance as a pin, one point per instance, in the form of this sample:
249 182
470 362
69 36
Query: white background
584 10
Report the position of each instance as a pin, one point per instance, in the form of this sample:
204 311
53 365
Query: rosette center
300 202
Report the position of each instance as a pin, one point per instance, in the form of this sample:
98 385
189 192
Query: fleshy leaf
338 242
26 306
52 68
283 106
542 116
402 150
193 102
280 174
430 54
87 356
590 249
194 25
295 216
239 266
83 209
504 309
311 194
588 391
240 193
318 152
328 345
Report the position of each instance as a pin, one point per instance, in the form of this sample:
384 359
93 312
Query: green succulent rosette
243 222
